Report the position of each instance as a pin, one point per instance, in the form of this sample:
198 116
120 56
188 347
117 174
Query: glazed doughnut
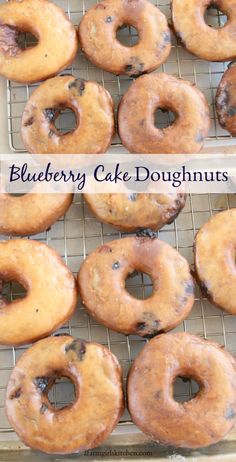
102 278
84 424
215 259
51 291
31 213
131 212
196 36
57 42
92 105
203 420
136 116
226 101
97 35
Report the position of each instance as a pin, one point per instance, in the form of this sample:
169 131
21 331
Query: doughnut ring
98 405
102 278
203 420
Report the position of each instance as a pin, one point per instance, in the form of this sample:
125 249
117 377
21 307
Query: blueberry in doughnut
203 420
102 279
51 291
97 36
137 108
134 211
57 40
215 259
226 101
206 42
93 108
98 405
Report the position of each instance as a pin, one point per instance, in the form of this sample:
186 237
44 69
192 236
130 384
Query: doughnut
131 212
51 291
97 36
98 405
197 37
31 213
203 420
226 101
102 278
57 41
92 105
136 116
215 259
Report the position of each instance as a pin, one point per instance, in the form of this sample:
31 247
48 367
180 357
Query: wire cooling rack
74 237
180 63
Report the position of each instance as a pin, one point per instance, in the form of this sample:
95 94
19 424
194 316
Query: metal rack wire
78 234
179 63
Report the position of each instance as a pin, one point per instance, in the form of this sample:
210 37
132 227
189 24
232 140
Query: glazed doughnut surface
226 101
136 116
215 259
203 420
57 42
31 213
51 291
98 404
93 108
200 39
102 278
97 35
130 212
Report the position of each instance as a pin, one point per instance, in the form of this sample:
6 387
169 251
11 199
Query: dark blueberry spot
105 249
29 122
61 335
199 137
51 133
149 327
223 99
43 408
133 197
50 114
116 265
128 68
78 84
180 37
189 287
135 67
16 394
78 346
230 413
109 19
167 37
41 383
147 233
231 112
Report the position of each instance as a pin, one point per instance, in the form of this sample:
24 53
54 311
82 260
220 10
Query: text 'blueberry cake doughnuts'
51 291
93 108
215 259
131 212
57 41
136 116
85 423
206 42
102 279
97 35
226 100
30 213
203 420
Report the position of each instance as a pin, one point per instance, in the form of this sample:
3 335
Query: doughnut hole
14 40
62 119
11 290
185 388
139 285
214 17
127 35
164 117
62 393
